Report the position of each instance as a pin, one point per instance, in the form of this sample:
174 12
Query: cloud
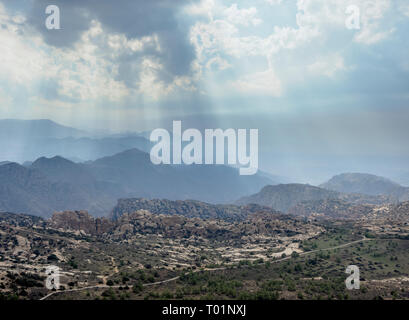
372 14
202 8
96 55
243 17
323 15
274 2
218 63
21 62
327 66
76 73
130 21
116 53
264 83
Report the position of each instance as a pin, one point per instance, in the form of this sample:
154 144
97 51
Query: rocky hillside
187 208
398 212
330 208
143 222
80 222
20 220
177 226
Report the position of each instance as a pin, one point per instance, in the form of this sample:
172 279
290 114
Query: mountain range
57 184
27 140
42 128
93 172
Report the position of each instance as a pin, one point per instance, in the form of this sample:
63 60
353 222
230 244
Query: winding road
213 269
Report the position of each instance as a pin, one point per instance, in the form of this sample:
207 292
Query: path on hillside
207 269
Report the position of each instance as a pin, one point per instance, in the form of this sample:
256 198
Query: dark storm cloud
132 18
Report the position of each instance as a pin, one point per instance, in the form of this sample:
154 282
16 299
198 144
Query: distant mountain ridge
60 169
210 183
42 128
58 184
27 140
366 184
29 190
284 196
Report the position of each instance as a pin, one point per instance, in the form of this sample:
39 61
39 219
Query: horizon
305 178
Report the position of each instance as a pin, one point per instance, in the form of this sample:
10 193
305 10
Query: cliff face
187 208
81 222
257 224
256 221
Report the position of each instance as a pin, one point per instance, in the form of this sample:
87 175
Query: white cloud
243 17
327 66
84 73
20 61
322 15
224 37
265 83
274 2
317 21
218 64
89 71
203 8
372 15
80 73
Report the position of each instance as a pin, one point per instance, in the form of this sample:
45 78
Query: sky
325 98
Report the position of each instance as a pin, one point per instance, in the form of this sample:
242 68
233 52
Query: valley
261 254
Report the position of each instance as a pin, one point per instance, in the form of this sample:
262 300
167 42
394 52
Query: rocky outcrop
81 222
330 208
258 224
187 208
